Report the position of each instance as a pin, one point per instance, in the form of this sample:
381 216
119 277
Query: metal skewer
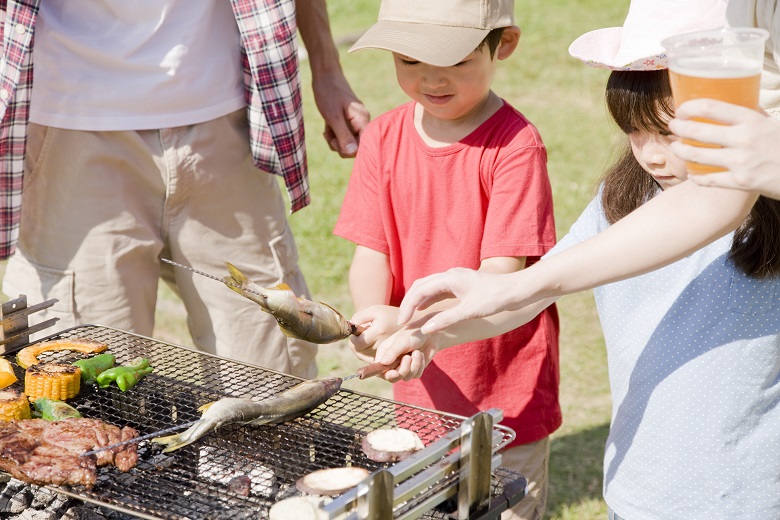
207 275
141 438
356 329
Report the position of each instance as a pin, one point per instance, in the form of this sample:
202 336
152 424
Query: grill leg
375 498
475 471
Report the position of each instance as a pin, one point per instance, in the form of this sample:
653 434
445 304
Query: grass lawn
564 99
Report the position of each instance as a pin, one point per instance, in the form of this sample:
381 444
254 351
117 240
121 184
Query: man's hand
344 114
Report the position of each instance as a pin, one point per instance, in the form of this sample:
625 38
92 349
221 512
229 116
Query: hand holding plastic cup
723 64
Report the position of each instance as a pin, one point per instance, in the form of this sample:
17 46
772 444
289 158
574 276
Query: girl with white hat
693 348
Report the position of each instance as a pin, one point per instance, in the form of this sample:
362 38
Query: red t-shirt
430 209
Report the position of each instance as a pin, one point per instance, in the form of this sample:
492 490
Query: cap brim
442 46
600 49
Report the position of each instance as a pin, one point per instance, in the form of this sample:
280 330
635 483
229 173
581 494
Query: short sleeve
360 218
520 219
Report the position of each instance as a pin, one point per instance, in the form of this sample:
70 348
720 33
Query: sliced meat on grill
43 452
82 435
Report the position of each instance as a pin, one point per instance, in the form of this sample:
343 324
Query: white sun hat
637 45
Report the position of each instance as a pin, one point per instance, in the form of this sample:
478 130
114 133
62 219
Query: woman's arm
418 349
667 228
384 326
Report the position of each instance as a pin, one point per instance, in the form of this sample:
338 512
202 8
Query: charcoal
35 514
42 497
59 504
240 485
20 501
82 513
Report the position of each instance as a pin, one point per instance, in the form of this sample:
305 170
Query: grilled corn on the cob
52 380
13 405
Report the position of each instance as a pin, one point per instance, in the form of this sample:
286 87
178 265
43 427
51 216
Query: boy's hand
380 321
415 349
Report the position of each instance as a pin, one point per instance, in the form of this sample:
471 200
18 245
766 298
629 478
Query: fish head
331 384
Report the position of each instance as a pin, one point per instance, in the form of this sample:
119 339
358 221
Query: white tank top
135 64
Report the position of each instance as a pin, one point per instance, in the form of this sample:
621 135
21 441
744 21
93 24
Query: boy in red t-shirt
456 177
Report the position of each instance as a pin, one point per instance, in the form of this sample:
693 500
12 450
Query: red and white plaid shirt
269 51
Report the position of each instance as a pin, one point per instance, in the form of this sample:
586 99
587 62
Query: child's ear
509 40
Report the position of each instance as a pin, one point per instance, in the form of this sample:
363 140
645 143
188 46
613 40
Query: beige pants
100 208
530 460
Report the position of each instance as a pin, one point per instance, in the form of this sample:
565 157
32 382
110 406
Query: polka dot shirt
694 368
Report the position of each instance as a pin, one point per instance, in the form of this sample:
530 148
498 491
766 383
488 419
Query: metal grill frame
191 483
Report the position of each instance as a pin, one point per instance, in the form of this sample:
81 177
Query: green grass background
563 98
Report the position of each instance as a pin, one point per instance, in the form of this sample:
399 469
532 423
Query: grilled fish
288 405
297 317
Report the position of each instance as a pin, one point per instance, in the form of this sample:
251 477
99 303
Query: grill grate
192 482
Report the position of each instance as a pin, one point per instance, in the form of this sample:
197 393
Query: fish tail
236 275
230 283
237 280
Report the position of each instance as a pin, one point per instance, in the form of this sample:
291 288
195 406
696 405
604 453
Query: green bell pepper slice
125 376
53 410
92 367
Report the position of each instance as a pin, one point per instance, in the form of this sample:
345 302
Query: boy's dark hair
642 101
492 40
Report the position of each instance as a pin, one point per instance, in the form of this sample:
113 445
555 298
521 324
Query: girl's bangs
640 100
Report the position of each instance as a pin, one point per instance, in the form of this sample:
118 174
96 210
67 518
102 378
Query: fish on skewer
288 405
297 317
315 322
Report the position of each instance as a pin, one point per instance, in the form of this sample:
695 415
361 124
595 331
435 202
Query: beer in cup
723 64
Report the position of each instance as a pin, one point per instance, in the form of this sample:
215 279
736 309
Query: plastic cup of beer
723 64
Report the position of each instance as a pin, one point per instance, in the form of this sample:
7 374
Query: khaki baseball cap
437 32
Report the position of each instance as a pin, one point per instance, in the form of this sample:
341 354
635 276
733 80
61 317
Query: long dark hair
642 100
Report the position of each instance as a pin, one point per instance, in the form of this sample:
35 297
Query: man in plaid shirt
141 137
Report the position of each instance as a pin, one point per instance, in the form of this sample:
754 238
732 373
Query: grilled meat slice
82 435
43 452
24 456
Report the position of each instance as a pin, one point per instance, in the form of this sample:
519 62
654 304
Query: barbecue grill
197 481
